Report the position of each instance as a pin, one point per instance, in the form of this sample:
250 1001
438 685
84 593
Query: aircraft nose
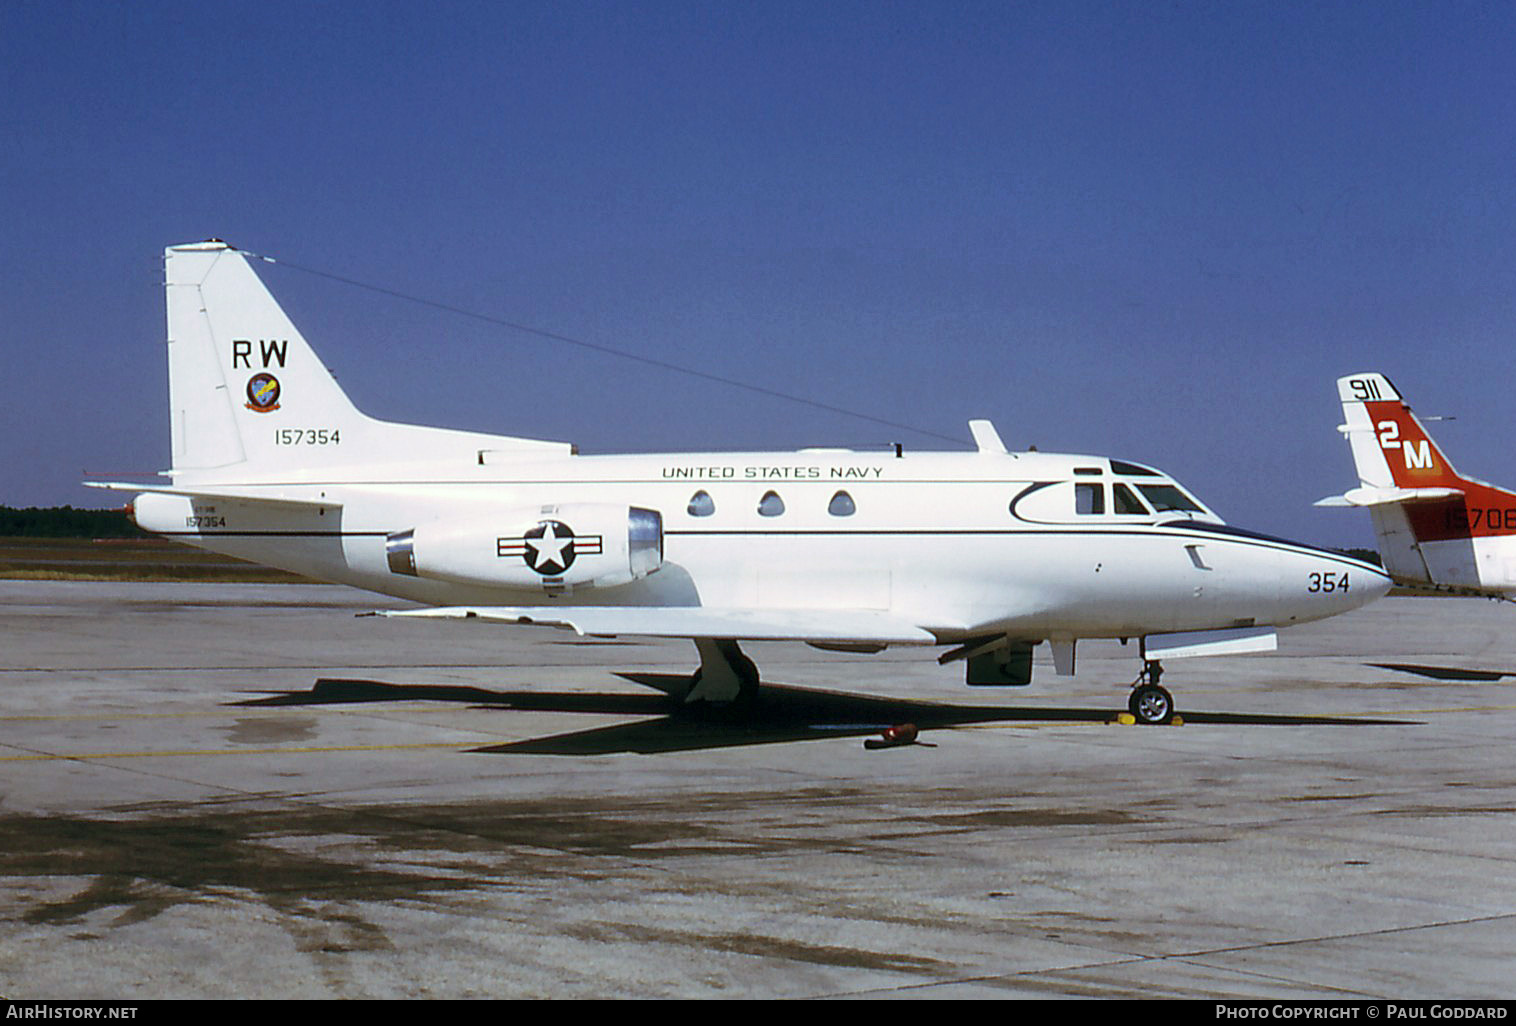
1379 585
1330 583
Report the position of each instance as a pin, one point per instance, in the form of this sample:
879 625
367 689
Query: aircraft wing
821 625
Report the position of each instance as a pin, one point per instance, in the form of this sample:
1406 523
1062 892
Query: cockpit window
1167 498
841 505
771 505
1126 502
1131 469
701 504
1089 499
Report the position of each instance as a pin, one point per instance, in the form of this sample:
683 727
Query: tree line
66 522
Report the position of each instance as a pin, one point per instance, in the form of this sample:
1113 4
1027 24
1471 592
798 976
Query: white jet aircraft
990 552
1437 529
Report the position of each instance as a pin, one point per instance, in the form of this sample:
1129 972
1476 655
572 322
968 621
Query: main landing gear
1150 703
728 680
726 675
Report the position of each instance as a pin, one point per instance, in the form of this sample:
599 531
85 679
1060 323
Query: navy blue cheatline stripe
1236 535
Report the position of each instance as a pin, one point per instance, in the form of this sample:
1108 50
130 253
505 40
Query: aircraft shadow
780 713
1444 672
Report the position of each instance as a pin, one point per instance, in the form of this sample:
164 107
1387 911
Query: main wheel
1151 704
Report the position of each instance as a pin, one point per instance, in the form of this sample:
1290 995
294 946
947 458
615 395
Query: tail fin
1390 446
1435 526
249 399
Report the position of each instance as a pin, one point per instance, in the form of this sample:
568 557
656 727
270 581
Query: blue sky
1155 231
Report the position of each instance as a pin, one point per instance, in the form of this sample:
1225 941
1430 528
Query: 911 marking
308 436
1327 582
1364 388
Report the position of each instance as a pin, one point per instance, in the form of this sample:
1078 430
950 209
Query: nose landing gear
1150 703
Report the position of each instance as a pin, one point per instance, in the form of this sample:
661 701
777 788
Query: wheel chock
893 737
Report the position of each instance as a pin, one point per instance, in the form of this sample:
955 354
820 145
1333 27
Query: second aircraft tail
1435 527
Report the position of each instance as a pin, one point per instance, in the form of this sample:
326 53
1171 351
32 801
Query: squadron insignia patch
263 393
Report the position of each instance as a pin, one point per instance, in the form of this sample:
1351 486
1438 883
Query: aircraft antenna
553 336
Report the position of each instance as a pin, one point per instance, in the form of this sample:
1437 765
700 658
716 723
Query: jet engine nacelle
556 548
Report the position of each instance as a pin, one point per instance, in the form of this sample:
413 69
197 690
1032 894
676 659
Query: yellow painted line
1384 714
66 717
66 757
1304 718
1445 709
223 712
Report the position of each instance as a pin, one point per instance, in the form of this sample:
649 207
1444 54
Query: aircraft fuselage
960 544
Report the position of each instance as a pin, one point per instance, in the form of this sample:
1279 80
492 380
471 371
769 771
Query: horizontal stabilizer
698 622
1370 496
228 492
1231 641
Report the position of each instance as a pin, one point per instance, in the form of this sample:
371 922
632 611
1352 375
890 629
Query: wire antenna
596 347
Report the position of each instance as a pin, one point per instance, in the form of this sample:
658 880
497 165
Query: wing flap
698 622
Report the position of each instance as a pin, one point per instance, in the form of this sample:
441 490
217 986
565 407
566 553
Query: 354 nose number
1326 582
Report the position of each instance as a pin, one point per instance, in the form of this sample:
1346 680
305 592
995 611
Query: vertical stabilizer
1391 448
249 399
236 363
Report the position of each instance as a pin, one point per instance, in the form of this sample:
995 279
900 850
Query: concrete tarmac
467 810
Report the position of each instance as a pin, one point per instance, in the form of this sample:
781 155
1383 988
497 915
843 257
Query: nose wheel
1150 703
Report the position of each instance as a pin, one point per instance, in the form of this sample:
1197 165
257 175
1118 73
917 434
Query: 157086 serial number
308 436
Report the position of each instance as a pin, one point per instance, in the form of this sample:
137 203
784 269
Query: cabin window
1089 499
841 505
1167 498
701 504
1126 502
771 505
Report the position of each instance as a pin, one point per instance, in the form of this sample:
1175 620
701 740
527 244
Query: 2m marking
1416 452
